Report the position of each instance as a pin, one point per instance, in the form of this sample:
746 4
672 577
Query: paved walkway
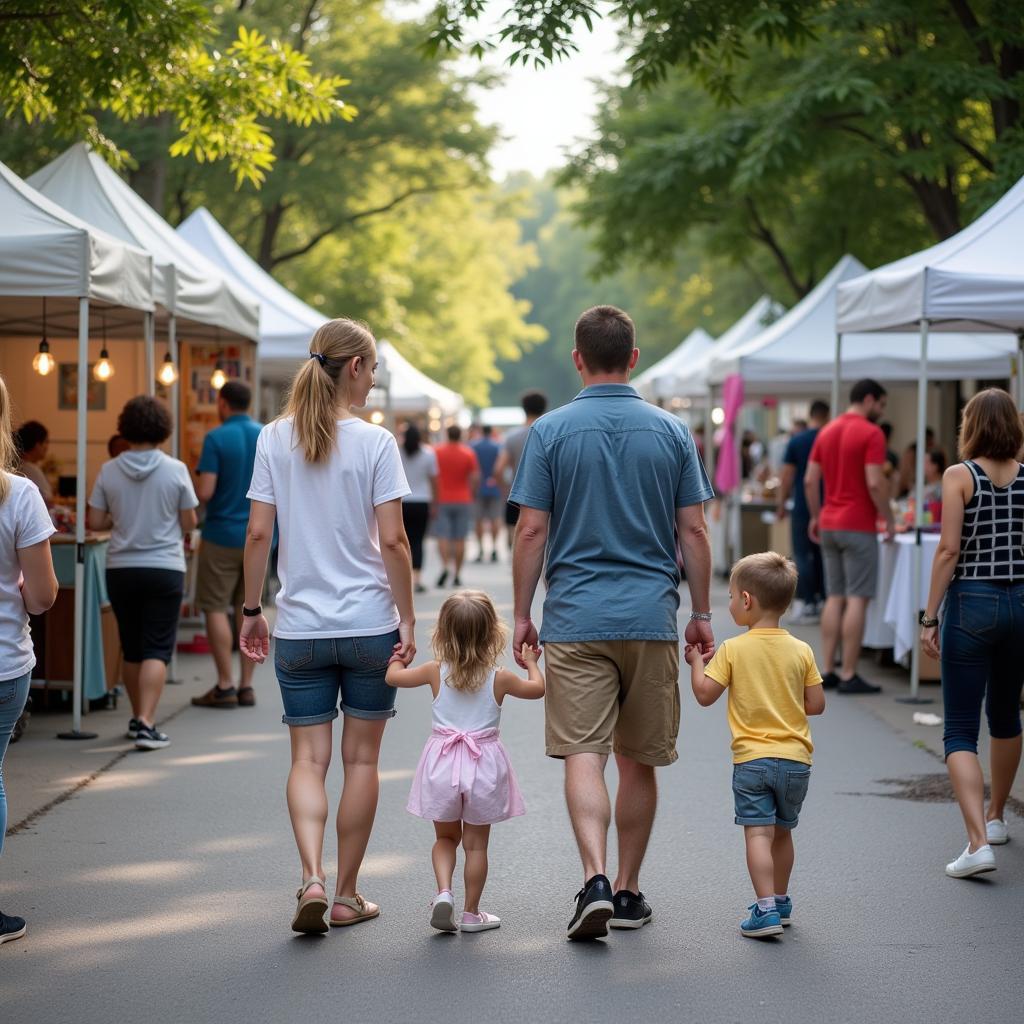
162 890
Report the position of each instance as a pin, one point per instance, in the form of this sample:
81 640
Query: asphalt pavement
163 889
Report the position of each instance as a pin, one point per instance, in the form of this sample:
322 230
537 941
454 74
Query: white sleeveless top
464 710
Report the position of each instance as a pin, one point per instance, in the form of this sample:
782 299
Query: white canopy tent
664 379
287 323
975 279
191 290
48 255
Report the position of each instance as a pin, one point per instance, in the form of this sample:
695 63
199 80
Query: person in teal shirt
225 471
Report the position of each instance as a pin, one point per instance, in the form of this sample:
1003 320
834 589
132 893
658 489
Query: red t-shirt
843 448
456 463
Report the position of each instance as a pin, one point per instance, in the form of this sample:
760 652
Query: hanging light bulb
104 369
168 372
218 378
43 363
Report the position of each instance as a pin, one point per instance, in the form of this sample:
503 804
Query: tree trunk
939 205
271 225
150 179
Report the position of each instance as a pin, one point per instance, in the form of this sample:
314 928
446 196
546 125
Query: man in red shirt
458 475
850 456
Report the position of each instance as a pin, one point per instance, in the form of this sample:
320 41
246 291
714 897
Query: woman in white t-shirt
27 585
420 465
335 484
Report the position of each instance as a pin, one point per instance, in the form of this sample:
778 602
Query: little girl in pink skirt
464 781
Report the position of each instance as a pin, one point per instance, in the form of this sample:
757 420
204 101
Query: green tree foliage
63 62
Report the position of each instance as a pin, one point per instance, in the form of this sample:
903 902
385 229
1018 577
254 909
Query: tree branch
764 234
974 151
304 25
971 25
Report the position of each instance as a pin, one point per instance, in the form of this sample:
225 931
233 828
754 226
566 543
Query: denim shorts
770 791
318 675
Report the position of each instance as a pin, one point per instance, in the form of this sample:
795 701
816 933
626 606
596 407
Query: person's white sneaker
442 912
803 614
968 864
997 832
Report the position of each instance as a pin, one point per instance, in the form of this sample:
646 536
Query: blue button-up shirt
612 470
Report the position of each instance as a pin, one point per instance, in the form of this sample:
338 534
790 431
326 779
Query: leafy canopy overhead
62 61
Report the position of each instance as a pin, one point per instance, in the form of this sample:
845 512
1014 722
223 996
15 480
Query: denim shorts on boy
318 675
770 791
453 521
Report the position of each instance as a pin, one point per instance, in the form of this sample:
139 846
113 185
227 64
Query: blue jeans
810 583
982 661
13 694
316 675
770 791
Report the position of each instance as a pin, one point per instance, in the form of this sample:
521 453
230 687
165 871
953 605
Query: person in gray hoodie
147 501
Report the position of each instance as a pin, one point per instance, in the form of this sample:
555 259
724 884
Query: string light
168 372
43 363
377 417
218 378
104 369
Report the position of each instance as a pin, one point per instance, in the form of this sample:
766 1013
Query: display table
878 634
902 604
53 633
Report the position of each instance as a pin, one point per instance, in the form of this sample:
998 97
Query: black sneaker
856 685
443 578
11 928
830 680
133 728
150 738
494 556
631 910
593 909
479 560
456 582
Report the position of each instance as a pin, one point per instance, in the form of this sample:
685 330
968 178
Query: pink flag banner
727 469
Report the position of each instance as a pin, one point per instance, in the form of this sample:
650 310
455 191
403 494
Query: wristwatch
251 613
926 622
701 616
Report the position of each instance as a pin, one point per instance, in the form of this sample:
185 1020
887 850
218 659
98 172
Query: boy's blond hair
769 577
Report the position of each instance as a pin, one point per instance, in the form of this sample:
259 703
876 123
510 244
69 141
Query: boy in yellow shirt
773 686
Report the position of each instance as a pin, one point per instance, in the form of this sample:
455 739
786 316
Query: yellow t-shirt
766 671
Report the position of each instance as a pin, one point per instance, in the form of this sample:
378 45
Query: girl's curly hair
469 638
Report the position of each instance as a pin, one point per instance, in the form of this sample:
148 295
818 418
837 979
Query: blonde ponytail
315 392
8 455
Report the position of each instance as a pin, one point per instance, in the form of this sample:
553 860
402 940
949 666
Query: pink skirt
465 776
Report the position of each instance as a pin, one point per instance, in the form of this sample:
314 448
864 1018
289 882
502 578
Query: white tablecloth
878 634
901 609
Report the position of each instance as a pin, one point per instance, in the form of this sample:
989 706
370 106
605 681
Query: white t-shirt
333 581
420 469
24 521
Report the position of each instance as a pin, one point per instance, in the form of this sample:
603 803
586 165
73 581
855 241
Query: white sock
768 903
782 898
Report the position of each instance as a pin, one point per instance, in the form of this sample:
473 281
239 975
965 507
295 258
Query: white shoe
968 864
803 614
442 912
997 832
481 922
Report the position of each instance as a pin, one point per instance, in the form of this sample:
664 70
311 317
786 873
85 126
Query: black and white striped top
992 540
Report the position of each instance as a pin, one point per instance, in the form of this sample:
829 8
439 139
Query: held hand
254 638
780 511
890 530
813 530
530 655
692 654
930 641
525 635
699 634
405 649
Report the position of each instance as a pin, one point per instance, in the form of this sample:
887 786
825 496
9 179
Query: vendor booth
287 324
73 299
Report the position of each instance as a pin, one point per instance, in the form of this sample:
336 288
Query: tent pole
150 345
837 374
78 676
257 386
1020 370
172 347
915 575
709 433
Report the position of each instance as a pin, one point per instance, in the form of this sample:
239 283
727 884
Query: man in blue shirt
225 472
489 506
810 588
604 485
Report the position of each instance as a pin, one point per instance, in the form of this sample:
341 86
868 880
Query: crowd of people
606 497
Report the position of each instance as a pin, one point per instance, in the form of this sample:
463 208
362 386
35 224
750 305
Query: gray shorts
453 521
489 506
851 563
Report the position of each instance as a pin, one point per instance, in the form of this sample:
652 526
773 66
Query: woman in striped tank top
979 570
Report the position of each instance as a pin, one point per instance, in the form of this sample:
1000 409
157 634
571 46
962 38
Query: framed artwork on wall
67 389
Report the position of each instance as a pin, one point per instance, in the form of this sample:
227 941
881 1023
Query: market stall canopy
971 281
286 322
184 282
665 377
796 354
47 252
411 390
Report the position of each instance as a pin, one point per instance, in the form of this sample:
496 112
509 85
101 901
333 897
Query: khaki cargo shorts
613 695
220 583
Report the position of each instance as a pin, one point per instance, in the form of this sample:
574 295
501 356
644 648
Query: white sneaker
968 864
442 912
997 831
803 614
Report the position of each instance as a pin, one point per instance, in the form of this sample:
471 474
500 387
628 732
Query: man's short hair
605 339
534 403
767 576
236 395
819 410
866 388
455 432
487 430
28 435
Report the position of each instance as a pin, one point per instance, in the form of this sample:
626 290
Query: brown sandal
309 915
360 906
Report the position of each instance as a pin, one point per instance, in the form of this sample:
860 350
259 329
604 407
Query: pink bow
465 742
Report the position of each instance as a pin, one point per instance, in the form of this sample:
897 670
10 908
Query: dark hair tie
319 357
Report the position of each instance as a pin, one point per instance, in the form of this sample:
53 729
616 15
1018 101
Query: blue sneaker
761 923
785 909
